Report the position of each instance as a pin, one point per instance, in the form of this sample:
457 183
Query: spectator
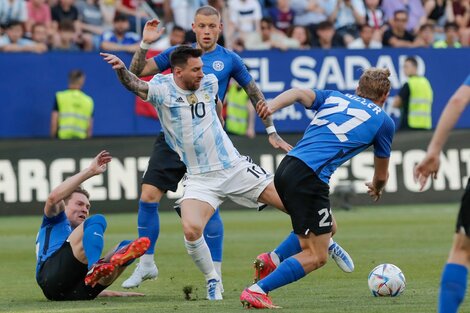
326 37
302 35
38 12
66 39
240 119
397 36
461 9
91 21
375 18
414 99
438 12
176 37
72 116
12 11
183 12
135 12
245 17
365 40
451 37
268 38
413 8
311 12
120 39
64 10
282 15
425 38
39 35
13 40
346 15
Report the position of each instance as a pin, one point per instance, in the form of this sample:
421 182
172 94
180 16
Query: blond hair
374 83
79 189
207 10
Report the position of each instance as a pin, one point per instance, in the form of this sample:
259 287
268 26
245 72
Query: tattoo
255 95
138 61
133 83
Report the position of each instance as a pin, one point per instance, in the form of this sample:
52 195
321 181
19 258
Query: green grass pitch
415 238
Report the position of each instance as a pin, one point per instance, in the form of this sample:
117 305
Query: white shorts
243 183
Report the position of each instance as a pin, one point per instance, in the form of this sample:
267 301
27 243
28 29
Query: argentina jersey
343 126
53 233
191 124
221 62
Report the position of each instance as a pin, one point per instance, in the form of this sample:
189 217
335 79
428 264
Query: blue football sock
287 272
214 236
289 247
453 286
93 238
148 223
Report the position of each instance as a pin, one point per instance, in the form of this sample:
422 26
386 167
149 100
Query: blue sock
453 286
93 238
148 223
287 272
214 236
121 245
289 247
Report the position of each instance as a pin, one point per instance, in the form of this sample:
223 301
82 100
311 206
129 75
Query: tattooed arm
256 95
128 79
141 66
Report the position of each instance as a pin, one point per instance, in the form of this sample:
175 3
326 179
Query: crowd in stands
116 25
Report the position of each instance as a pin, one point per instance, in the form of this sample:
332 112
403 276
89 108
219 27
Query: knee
97 219
191 231
150 193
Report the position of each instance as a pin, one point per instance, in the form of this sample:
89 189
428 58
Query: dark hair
120 18
324 25
207 10
412 60
67 25
75 75
179 56
267 19
363 26
290 31
79 189
400 11
449 25
426 26
178 28
13 23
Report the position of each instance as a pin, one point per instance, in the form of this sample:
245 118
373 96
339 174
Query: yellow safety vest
236 121
420 103
75 111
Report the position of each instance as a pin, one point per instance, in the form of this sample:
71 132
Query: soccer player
69 243
186 101
343 126
454 276
165 168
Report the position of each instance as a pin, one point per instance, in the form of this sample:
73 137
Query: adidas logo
180 100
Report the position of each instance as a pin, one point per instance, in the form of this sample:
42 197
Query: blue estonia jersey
223 63
343 126
51 236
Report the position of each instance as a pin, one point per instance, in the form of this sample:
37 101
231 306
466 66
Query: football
386 280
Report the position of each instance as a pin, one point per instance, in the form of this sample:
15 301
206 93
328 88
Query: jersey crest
218 66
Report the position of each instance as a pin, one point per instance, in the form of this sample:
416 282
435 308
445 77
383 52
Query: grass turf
415 238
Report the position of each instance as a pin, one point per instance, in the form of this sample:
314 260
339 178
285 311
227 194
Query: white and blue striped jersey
191 125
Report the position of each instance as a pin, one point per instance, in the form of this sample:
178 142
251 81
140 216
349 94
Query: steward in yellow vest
414 99
240 115
72 117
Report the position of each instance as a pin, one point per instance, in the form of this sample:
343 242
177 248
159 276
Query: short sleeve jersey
191 124
467 81
343 126
223 63
53 233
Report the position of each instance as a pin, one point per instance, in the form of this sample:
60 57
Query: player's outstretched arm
141 66
55 204
454 108
275 140
127 79
112 293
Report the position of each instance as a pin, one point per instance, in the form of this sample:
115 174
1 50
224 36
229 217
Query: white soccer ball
386 280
